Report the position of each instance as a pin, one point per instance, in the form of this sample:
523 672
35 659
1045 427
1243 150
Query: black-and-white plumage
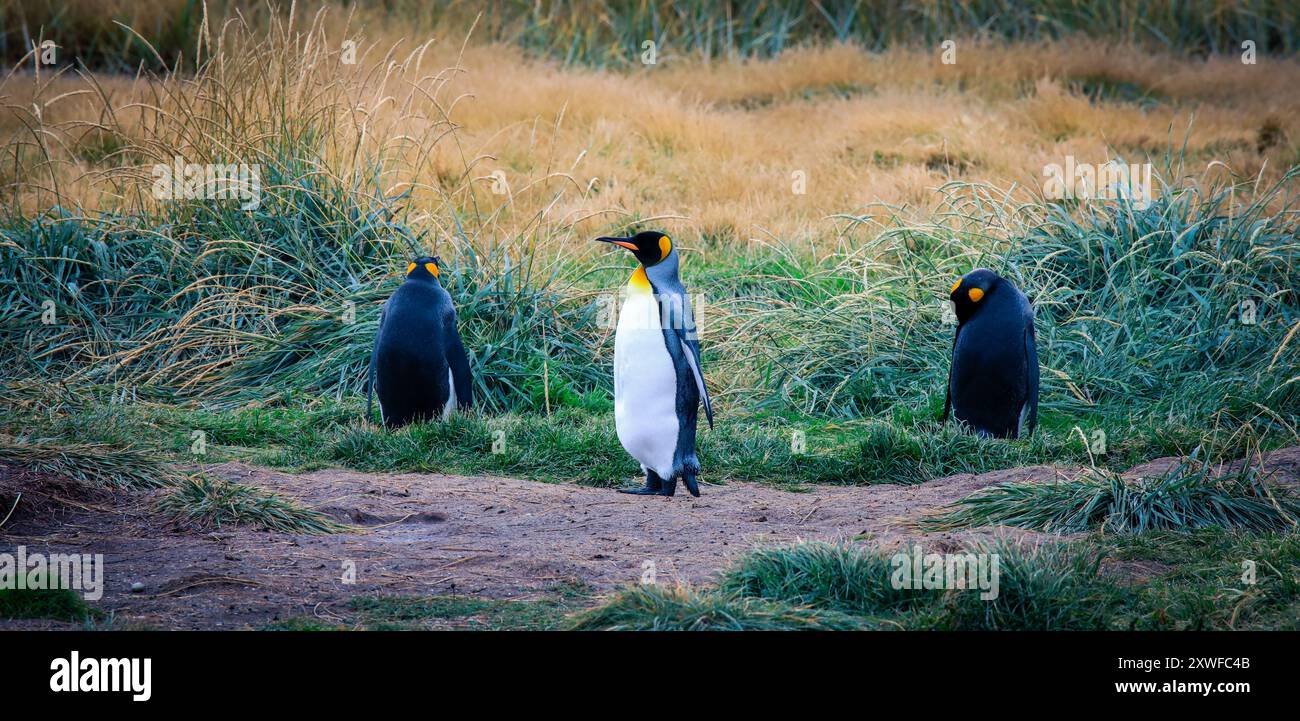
658 375
418 367
993 380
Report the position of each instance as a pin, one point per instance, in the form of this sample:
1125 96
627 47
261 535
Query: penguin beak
625 242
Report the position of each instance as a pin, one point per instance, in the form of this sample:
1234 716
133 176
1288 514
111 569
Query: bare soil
429 534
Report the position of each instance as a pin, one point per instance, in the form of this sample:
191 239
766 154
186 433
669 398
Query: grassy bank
1210 579
1157 581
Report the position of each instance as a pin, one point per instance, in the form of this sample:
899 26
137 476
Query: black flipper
370 373
458 360
947 389
1031 374
691 350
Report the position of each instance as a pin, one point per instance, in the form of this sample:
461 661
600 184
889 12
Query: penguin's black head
426 268
971 291
650 246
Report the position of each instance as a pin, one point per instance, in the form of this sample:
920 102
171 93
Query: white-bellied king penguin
658 379
418 366
993 380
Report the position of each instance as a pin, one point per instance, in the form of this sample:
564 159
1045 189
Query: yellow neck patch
639 281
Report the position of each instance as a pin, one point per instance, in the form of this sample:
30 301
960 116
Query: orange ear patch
433 269
665 247
954 287
975 294
410 268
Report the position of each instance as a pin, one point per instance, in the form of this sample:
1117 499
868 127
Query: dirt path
484 536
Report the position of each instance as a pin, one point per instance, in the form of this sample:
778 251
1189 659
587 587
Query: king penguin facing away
418 367
993 381
658 379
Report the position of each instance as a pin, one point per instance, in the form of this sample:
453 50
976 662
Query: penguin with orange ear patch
993 381
418 367
658 379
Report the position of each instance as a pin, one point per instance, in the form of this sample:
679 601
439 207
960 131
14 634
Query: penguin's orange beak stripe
619 241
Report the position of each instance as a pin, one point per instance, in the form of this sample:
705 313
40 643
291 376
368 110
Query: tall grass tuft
97 465
210 503
1186 497
843 578
820 585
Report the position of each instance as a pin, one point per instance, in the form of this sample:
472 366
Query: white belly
645 386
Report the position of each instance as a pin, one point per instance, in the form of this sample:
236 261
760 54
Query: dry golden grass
709 149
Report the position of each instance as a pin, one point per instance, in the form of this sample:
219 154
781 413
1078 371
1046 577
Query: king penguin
993 380
418 366
658 379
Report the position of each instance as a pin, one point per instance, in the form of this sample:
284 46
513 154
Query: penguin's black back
994 373
417 345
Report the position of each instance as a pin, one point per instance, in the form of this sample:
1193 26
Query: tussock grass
57 604
806 585
211 503
840 577
97 465
1190 495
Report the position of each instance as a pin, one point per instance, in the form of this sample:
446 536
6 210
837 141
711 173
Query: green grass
580 446
1048 587
1153 581
1200 580
58 604
660 608
546 612
1188 496
842 578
